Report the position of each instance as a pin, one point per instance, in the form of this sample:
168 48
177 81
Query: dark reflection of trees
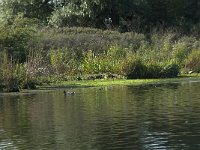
24 121
14 117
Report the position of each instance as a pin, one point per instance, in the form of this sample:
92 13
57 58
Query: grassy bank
72 85
52 56
134 82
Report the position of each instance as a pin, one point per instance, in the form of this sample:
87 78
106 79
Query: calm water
159 116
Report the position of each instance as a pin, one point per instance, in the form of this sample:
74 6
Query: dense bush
14 75
69 16
136 69
111 61
139 69
129 15
193 61
170 70
14 37
8 74
63 61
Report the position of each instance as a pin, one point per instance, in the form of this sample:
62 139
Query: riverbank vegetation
64 45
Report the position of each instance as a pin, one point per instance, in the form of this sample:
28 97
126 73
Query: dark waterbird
68 93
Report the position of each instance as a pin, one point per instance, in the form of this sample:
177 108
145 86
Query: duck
68 93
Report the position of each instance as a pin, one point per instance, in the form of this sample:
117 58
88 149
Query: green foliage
87 53
129 15
135 69
183 47
180 51
31 54
92 13
63 62
39 9
111 61
140 69
83 52
170 70
192 62
14 76
8 76
14 37
70 15
79 40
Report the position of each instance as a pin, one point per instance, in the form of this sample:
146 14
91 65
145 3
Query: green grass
107 82
195 75
102 83
99 83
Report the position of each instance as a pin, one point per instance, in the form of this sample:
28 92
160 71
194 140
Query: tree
15 36
40 9
93 13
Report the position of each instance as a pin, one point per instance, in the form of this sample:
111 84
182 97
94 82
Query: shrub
64 61
111 61
15 36
15 76
24 78
170 70
183 47
69 16
192 63
153 70
9 78
140 69
135 69
180 51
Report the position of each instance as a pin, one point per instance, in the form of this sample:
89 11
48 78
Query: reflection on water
156 116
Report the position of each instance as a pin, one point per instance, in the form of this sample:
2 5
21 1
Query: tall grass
14 75
8 74
193 61
111 61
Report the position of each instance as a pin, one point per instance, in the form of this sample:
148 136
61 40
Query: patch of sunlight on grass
108 82
93 83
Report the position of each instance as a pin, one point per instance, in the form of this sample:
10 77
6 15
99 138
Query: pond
153 116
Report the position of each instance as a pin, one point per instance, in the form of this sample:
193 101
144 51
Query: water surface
154 116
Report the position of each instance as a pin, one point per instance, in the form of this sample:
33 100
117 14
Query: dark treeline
125 15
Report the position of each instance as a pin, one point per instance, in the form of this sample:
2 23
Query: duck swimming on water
68 93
